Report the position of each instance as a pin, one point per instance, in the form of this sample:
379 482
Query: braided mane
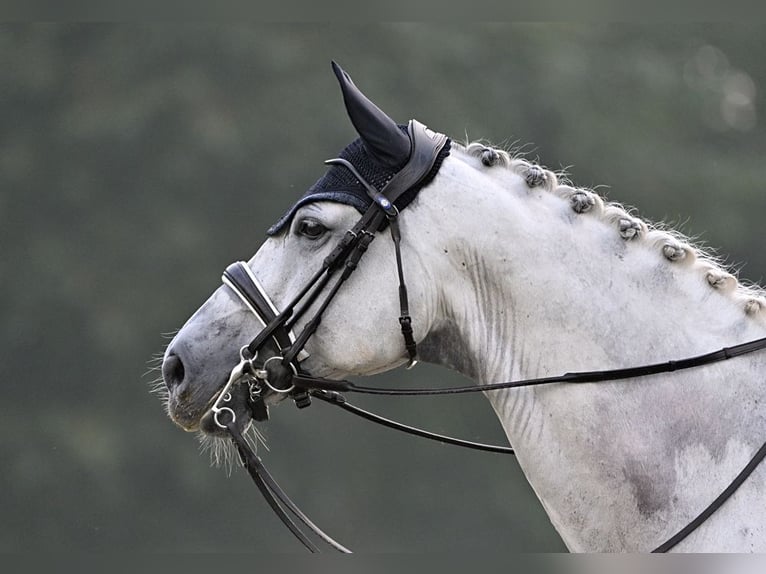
674 246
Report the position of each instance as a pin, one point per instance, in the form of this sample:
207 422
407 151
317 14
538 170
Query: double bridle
271 361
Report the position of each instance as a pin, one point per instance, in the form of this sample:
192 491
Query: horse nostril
173 371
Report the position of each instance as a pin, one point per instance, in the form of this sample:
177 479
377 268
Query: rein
318 383
320 389
281 372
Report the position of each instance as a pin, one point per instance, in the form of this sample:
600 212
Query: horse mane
674 246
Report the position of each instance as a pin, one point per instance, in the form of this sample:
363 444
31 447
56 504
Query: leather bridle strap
405 321
319 383
339 400
425 148
243 282
276 497
315 285
716 504
349 266
330 388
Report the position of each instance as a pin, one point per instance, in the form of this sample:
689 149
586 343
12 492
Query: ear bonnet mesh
339 184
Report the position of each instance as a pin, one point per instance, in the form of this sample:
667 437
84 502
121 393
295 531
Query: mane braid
675 247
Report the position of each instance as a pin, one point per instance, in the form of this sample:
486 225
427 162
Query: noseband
271 362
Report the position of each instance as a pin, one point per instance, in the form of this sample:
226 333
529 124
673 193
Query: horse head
355 329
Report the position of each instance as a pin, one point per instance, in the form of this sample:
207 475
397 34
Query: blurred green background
137 161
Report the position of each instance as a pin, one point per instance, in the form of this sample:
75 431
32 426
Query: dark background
136 161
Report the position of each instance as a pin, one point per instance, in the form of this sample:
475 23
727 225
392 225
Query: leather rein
280 372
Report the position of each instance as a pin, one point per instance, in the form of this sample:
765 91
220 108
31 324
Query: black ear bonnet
380 152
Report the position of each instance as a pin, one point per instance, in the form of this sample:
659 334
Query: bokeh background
136 161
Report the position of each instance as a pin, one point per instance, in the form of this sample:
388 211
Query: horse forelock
676 248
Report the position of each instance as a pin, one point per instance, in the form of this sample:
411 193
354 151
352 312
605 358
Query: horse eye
311 228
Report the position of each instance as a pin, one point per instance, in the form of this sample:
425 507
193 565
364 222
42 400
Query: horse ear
380 133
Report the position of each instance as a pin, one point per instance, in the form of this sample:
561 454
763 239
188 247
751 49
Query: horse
504 271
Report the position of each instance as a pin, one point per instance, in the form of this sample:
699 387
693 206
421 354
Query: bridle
282 375
271 361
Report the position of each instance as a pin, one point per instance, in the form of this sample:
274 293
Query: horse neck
532 289
527 284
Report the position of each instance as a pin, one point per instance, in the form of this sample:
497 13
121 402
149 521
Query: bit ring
217 413
272 387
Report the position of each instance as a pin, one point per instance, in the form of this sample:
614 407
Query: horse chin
239 405
194 415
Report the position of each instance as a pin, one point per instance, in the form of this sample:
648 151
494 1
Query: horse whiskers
157 386
152 369
222 451
154 363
